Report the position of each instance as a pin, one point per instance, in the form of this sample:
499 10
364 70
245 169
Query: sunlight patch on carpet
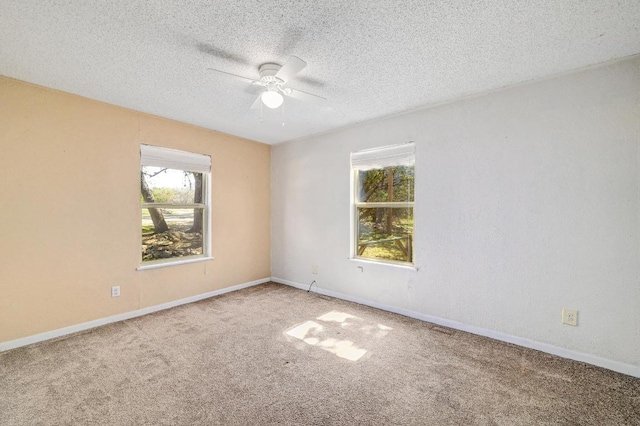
325 333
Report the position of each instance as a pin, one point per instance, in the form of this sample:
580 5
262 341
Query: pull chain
261 103
283 114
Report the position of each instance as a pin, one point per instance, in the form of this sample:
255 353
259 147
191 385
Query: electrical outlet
115 291
314 269
569 316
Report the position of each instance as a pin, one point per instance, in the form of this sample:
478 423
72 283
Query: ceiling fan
273 78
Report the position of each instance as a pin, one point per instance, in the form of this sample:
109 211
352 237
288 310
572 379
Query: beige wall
70 216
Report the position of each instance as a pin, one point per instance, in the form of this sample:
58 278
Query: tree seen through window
384 207
172 213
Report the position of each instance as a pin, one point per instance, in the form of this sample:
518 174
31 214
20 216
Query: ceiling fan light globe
272 99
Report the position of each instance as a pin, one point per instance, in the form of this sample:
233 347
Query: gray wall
526 202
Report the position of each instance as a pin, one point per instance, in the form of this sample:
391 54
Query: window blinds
174 159
386 156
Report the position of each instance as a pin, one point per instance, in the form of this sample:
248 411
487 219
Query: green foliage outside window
385 232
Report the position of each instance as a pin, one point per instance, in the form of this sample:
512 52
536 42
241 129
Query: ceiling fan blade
292 67
304 96
245 79
256 103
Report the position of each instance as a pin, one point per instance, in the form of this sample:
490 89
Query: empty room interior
281 212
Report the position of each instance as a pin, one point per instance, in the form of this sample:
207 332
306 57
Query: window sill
407 266
168 263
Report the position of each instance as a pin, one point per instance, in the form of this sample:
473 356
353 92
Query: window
383 194
175 205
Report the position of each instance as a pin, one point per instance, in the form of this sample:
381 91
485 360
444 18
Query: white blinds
386 156
174 159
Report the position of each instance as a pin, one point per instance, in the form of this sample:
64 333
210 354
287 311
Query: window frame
356 204
180 162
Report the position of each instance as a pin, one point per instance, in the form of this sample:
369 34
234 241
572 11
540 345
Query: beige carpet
272 354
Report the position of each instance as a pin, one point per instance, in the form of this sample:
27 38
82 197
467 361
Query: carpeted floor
272 354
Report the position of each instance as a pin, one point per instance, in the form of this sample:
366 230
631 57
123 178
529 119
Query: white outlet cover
115 291
569 316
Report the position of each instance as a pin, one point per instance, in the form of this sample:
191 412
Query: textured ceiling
369 58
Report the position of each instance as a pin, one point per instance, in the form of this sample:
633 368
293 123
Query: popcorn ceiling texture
370 59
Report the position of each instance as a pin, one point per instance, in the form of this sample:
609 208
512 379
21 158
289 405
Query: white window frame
379 158
156 156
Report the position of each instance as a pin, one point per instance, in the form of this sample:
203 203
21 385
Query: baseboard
12 344
619 367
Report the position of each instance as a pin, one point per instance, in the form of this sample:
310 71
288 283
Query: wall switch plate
569 316
115 291
314 269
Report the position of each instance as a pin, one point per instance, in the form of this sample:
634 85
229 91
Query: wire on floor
312 283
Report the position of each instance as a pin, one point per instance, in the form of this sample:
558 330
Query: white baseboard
12 344
629 369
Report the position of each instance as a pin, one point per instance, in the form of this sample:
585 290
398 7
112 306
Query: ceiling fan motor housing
268 72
